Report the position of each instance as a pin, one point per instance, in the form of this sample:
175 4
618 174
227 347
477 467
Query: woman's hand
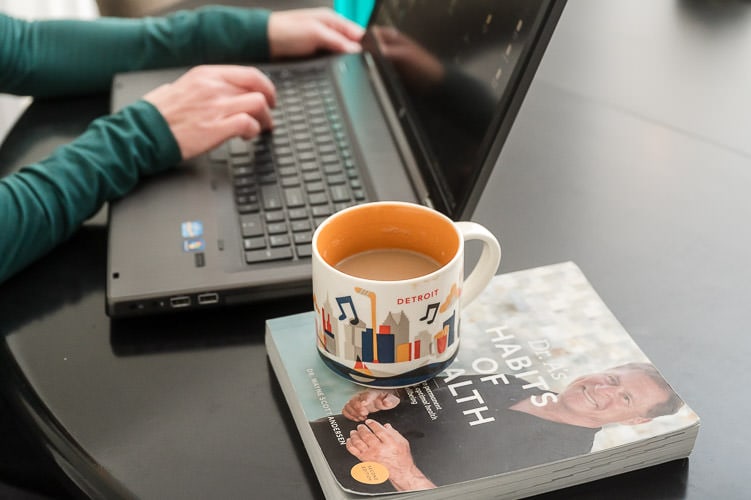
211 104
303 32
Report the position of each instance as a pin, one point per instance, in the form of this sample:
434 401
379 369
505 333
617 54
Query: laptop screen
452 68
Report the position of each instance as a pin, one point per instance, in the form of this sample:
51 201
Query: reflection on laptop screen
452 65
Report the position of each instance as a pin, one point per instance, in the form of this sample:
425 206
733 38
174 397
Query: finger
336 21
335 41
354 414
355 447
347 413
252 103
368 397
367 435
249 79
240 125
356 441
377 430
387 401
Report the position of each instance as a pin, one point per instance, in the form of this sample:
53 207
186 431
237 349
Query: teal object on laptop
356 10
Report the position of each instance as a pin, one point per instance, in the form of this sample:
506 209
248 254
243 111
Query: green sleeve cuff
43 204
165 152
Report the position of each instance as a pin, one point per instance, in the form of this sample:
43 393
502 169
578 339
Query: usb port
208 298
182 301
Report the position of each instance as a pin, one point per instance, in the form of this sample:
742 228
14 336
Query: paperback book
548 391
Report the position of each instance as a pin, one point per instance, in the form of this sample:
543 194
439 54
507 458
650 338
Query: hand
302 32
364 403
210 104
373 442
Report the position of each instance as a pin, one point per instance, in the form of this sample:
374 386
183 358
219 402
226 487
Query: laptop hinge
402 144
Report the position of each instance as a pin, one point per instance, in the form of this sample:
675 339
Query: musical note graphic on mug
431 307
341 301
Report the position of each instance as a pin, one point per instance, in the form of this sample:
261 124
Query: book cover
548 390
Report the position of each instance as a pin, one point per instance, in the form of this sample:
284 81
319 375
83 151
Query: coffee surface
388 264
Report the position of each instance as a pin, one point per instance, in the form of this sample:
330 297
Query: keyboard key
251 225
243 170
309 166
318 198
275 216
298 213
306 156
218 154
279 240
284 151
293 197
301 225
332 168
322 211
288 171
269 178
315 187
239 147
244 199
277 228
330 158
339 194
290 181
248 208
327 148
336 179
254 243
301 238
311 176
268 254
304 250
271 196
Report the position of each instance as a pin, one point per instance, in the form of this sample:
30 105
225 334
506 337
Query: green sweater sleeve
66 57
43 204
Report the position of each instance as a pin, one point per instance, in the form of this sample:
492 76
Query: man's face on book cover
614 396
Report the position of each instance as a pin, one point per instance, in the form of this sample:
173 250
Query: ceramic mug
388 286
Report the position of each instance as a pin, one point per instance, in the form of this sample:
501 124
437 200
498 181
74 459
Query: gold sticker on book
370 473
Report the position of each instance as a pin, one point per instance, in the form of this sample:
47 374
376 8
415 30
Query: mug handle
486 266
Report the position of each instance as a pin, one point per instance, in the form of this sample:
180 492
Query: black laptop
420 115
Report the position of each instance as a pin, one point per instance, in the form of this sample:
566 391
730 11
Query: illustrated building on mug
351 338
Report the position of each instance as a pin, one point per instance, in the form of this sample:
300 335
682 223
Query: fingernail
391 399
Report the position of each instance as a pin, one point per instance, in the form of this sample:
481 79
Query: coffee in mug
388 286
388 264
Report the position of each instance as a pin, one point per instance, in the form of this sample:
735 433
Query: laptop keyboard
287 181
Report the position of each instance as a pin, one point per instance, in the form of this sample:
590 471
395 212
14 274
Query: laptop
424 125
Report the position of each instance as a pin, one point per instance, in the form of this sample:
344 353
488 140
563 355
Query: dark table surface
630 156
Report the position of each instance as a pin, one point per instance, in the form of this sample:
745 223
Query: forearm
66 57
42 204
410 478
